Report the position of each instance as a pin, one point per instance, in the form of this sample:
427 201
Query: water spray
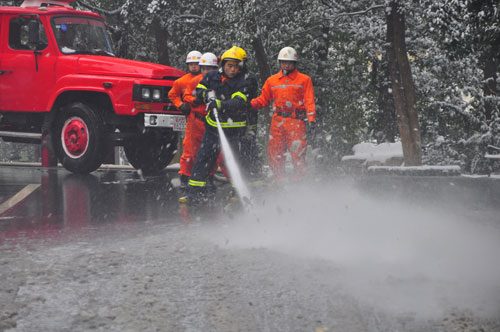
234 170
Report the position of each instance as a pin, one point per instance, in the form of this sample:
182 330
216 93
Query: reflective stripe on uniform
287 85
201 86
194 183
239 94
226 124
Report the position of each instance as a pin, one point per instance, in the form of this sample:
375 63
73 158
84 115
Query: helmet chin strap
287 72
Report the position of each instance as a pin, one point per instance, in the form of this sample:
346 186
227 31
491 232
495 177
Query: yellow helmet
241 51
232 54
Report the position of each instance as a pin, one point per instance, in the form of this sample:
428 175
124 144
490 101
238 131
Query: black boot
184 183
193 196
211 188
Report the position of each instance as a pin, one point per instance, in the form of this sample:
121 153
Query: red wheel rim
75 137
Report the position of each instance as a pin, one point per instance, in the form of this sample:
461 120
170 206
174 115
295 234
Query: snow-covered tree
469 33
452 47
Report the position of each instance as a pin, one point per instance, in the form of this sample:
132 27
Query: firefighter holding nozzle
294 115
225 92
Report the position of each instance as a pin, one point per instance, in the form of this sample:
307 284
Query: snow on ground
387 158
375 152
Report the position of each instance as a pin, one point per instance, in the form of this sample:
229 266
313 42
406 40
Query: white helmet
193 56
208 59
287 54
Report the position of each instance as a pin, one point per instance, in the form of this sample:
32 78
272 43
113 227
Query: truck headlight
156 94
150 93
145 93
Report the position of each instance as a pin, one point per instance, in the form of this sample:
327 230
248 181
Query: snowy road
113 252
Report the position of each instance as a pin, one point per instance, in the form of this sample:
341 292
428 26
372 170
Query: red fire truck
62 85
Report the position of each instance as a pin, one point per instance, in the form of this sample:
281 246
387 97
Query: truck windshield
81 35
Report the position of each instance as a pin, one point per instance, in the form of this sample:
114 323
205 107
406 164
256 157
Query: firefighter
249 149
293 106
176 96
228 104
208 62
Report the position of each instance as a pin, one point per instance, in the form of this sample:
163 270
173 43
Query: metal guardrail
20 134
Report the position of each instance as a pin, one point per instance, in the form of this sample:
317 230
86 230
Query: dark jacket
234 96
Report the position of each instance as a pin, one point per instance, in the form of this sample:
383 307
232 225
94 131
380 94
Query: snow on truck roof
44 7
41 3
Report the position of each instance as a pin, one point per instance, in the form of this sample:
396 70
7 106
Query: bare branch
196 17
361 12
100 10
327 4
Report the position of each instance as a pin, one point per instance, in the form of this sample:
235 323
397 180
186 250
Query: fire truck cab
62 85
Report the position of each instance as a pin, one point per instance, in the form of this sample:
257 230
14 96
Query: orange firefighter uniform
196 118
177 96
293 104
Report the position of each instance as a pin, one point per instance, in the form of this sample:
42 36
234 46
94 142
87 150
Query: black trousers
207 156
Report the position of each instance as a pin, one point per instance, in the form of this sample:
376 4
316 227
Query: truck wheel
79 138
150 154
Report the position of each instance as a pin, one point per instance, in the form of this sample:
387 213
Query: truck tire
79 138
150 154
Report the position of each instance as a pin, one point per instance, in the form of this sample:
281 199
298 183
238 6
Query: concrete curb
415 170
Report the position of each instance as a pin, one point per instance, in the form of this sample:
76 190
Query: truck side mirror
34 32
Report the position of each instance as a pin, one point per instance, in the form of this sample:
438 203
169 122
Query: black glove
204 96
198 101
215 103
185 109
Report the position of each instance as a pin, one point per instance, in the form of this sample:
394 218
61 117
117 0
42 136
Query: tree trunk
121 38
322 62
403 88
490 82
265 72
322 50
385 123
161 38
261 58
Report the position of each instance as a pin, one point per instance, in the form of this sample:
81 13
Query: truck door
2 43
27 68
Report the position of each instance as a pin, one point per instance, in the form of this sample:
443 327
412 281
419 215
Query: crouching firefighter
229 105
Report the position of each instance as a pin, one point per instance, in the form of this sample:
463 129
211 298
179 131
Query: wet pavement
113 251
56 201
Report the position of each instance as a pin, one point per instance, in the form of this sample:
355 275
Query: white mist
399 256
231 164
